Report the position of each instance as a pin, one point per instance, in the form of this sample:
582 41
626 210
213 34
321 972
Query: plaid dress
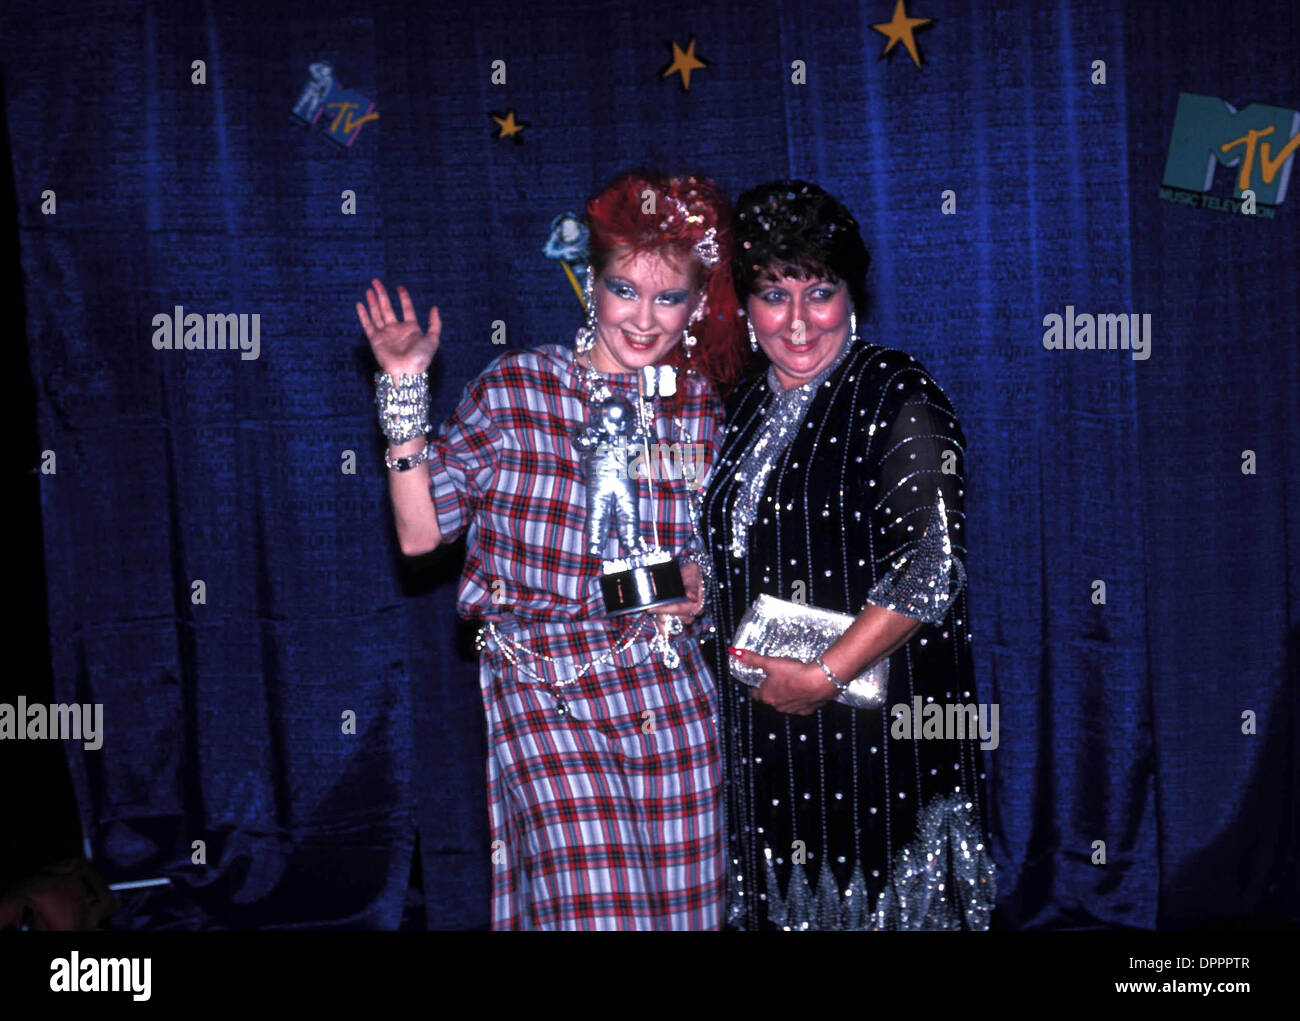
607 817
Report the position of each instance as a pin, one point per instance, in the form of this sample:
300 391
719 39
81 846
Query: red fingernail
738 653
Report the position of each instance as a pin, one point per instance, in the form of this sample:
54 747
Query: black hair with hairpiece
794 228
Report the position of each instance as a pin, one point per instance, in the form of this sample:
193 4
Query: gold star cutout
684 63
900 29
510 128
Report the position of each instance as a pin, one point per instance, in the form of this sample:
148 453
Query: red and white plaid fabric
608 817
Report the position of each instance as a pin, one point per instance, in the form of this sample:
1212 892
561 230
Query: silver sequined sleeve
918 518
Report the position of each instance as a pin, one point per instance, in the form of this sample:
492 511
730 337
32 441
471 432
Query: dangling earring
753 337
585 338
688 340
853 326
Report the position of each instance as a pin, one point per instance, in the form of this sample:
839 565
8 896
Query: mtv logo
347 110
308 107
1261 140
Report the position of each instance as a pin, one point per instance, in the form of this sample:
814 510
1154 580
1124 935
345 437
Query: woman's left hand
693 604
790 686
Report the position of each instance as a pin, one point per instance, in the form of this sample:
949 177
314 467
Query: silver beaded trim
948 844
943 879
784 417
923 582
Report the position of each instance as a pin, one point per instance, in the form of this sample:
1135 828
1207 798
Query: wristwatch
401 464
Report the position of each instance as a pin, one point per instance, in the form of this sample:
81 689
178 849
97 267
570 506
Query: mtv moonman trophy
647 575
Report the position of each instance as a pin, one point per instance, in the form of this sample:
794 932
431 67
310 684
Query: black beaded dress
850 818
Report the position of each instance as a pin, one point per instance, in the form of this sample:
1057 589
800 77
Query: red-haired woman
603 772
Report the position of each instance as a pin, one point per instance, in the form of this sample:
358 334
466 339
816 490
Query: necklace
594 382
596 386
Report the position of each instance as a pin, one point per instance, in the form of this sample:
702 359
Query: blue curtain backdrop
224 720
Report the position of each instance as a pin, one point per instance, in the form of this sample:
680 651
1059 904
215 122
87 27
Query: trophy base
642 587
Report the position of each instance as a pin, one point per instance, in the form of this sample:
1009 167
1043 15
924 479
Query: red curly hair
686 209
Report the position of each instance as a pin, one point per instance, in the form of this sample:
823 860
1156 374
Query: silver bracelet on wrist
403 405
406 463
840 686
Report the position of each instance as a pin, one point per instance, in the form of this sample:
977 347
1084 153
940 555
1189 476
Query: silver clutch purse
774 627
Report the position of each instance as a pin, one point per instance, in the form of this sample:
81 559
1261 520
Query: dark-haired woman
840 486
602 755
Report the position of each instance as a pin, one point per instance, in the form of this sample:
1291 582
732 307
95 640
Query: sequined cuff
692 549
923 582
403 405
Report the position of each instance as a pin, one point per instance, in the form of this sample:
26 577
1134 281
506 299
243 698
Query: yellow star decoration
900 29
510 128
684 63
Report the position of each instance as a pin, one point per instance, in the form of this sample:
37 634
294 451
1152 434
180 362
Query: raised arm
401 348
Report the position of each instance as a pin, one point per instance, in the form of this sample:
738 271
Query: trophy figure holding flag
646 575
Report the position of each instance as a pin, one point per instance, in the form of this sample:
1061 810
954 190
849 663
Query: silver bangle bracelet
401 464
840 686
